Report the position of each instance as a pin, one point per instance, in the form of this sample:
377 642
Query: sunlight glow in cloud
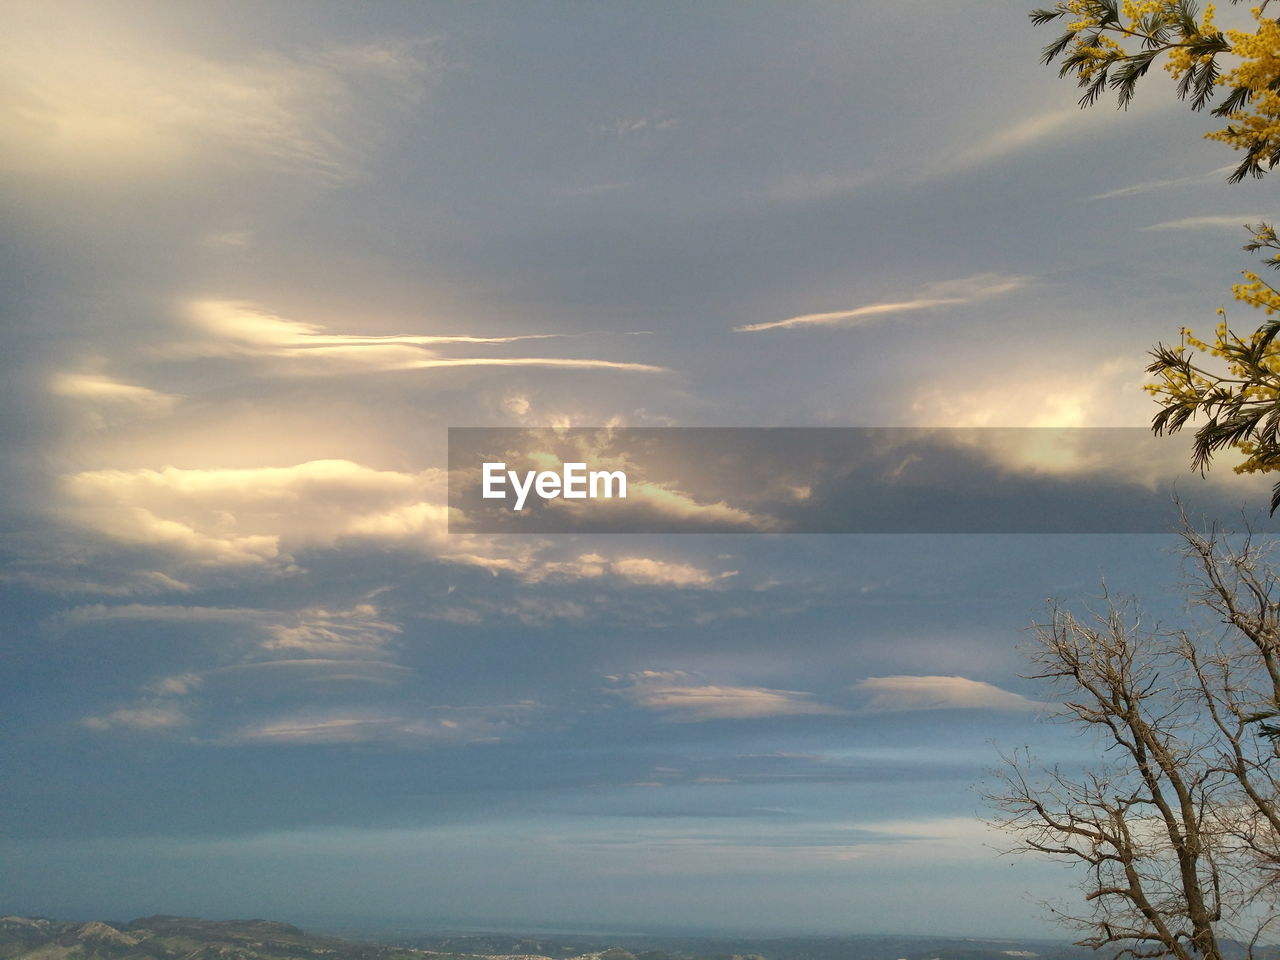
106 99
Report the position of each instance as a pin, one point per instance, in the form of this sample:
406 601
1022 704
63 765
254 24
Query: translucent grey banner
837 480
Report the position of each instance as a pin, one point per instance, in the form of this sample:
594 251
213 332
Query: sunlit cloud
102 400
1105 393
888 694
262 517
254 516
666 573
679 698
931 296
103 389
238 328
104 99
645 571
661 501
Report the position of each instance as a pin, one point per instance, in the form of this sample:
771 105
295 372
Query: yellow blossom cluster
1109 46
1256 129
1099 39
1249 382
1181 59
1257 293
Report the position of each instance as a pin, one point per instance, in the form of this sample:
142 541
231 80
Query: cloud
137 718
1206 223
1013 138
93 95
666 573
255 516
163 613
1148 186
645 571
1101 393
277 676
262 517
356 631
177 685
891 694
314 655
625 127
662 502
101 389
801 188
680 699
1094 395
105 581
429 727
237 328
949 293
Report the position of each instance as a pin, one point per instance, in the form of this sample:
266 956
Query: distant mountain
187 938
184 938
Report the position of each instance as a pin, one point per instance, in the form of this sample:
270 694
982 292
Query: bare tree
1176 826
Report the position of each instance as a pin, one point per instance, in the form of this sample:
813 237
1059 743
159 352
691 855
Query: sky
260 258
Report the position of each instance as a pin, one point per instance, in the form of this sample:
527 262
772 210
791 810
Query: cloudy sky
260 257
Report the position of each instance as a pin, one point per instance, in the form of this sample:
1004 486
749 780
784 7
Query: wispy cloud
1150 186
318 631
666 573
100 388
804 187
313 671
422 728
680 698
625 127
1212 222
103 401
897 693
931 296
1011 139
356 631
239 328
160 717
646 571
